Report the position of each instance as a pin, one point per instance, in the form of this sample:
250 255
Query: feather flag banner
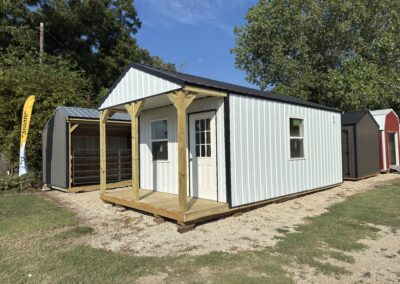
26 119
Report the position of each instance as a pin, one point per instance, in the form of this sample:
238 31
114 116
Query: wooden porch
167 205
179 207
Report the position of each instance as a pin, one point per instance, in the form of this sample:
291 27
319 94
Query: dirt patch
136 233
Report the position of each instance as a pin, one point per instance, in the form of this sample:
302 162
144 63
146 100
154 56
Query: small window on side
159 140
296 126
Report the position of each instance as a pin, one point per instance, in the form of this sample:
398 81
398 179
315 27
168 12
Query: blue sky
196 35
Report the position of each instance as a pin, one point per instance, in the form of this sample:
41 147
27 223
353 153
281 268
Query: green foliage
87 46
97 34
17 184
345 54
55 82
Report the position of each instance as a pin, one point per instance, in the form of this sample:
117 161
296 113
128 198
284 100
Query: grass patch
73 233
24 214
32 248
341 228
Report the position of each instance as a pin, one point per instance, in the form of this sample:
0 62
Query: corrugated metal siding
163 175
367 147
79 112
259 137
54 151
136 85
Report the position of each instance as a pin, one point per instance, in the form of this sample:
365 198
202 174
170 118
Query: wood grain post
103 150
71 129
134 111
181 101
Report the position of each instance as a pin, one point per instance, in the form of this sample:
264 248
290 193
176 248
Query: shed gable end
135 85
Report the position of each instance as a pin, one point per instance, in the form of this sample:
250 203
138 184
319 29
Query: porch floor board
167 205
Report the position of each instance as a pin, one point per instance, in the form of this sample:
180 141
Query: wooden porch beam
181 101
205 91
104 115
134 111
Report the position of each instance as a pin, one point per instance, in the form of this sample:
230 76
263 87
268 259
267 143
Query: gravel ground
135 233
380 263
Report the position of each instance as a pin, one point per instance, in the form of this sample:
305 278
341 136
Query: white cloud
191 12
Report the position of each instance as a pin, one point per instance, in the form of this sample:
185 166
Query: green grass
72 233
41 240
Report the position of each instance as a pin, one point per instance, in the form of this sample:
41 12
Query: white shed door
202 156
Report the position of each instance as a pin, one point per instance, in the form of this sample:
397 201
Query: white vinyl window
159 140
296 126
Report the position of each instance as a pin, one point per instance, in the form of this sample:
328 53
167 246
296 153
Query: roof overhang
144 83
380 117
136 85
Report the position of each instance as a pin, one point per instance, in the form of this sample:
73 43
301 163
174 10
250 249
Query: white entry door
202 155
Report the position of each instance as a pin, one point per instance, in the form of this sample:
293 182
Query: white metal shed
215 142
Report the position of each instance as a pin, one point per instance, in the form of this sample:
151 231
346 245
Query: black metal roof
354 117
184 79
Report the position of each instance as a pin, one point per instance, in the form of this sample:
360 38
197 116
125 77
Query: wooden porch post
70 158
181 101
134 111
103 163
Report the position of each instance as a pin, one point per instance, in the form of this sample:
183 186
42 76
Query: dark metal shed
360 145
70 150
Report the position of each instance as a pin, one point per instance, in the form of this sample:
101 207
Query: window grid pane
203 138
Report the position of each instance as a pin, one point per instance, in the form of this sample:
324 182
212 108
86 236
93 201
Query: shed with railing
71 145
202 148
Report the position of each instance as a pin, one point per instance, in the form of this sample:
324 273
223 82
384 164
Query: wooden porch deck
167 205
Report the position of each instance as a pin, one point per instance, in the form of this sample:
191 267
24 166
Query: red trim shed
388 122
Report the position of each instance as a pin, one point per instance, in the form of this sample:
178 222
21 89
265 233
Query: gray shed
70 150
360 145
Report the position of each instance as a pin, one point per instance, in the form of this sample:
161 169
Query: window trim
159 140
297 137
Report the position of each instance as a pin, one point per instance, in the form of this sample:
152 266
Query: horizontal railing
86 166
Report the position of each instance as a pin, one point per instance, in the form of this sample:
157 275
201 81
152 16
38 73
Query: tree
343 54
97 34
55 82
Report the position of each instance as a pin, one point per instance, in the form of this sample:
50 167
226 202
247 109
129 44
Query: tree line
87 45
343 54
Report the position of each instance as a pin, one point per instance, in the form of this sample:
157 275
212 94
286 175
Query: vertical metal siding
367 147
54 151
136 85
163 175
260 158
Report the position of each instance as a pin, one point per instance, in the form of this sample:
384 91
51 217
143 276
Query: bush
17 184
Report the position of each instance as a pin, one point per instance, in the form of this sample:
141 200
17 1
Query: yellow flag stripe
26 119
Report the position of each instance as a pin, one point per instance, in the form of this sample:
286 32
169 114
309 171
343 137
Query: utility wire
67 49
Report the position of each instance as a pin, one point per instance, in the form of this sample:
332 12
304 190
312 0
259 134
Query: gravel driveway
136 233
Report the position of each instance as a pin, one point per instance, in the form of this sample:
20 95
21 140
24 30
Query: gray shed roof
354 117
89 113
